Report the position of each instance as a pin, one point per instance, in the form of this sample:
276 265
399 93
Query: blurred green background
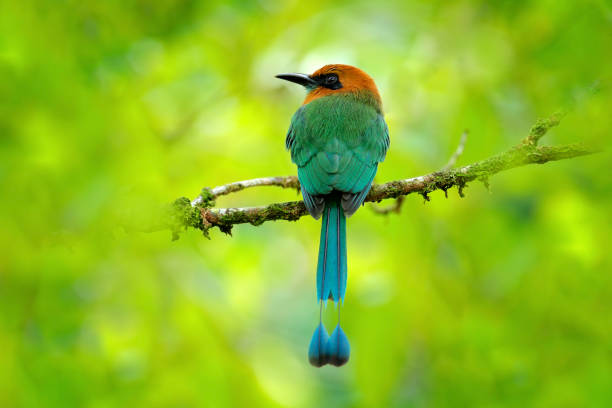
498 299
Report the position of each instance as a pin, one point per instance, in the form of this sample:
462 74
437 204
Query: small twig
393 208
458 152
542 126
284 182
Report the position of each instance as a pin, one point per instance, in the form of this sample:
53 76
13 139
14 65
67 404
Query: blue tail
318 353
338 349
331 269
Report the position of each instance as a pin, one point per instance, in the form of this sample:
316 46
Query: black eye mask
330 81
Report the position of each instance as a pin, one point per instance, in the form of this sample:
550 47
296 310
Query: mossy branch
201 214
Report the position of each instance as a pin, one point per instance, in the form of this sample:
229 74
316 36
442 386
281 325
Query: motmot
336 138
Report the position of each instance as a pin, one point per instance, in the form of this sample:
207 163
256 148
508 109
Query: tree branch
201 214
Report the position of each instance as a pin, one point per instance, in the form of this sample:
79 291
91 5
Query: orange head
334 79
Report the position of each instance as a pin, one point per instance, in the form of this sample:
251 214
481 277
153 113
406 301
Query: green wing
337 147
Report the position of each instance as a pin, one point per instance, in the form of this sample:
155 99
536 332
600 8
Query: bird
336 138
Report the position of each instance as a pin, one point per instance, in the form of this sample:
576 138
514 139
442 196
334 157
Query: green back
337 142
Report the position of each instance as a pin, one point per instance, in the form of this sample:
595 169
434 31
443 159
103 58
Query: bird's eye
331 79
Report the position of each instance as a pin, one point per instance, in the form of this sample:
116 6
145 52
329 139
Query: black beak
301 79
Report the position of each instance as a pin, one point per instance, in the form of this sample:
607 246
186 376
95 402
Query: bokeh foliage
111 108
